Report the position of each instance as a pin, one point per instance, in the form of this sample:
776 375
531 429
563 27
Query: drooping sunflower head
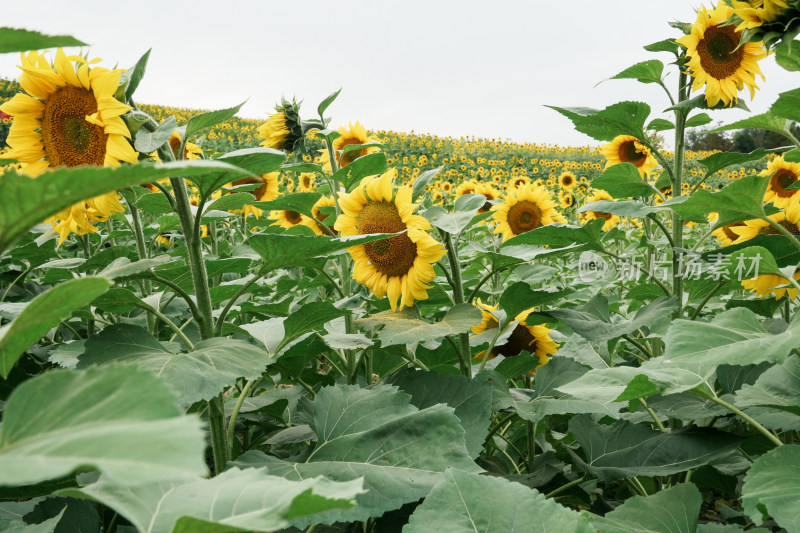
611 221
782 175
524 209
628 149
534 339
718 60
755 13
567 180
283 130
400 266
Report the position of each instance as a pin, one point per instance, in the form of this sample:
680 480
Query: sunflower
754 13
767 284
566 199
324 228
783 174
466 187
567 180
789 219
283 130
190 151
718 60
267 190
524 209
533 339
487 190
68 116
286 218
518 181
400 266
305 182
586 216
628 149
353 134
725 235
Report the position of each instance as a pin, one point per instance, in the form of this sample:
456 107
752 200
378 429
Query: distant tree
745 140
698 139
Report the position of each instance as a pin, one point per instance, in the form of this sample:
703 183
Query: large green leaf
623 181
560 236
255 161
235 500
25 202
625 208
778 387
464 210
719 160
772 488
734 337
19 40
623 118
471 399
44 312
672 510
201 374
399 450
787 105
466 503
302 202
741 200
649 71
624 449
368 165
118 419
764 121
404 327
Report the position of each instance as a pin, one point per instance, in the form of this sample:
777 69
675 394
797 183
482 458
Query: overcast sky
452 68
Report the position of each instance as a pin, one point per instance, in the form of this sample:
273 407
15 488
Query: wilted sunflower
68 116
628 149
400 266
283 130
767 284
353 134
533 339
718 60
325 228
567 180
755 13
611 221
524 209
783 174
266 191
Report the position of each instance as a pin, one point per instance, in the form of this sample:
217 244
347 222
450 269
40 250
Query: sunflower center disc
629 154
791 228
293 216
781 180
68 139
393 257
351 156
524 216
719 56
519 341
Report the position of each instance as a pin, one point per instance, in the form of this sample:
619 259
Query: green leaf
660 124
399 450
520 297
720 160
209 119
672 510
422 181
302 202
623 118
368 165
123 267
645 72
741 200
43 313
134 75
118 419
787 57
778 387
308 318
781 248
78 516
734 337
466 503
147 141
464 209
625 450
327 102
561 236
667 45
699 119
699 102
786 106
201 374
772 488
18 526
154 203
623 181
230 202
591 320
764 121
252 162
235 500
279 250
405 327
625 208
471 399
25 202
19 40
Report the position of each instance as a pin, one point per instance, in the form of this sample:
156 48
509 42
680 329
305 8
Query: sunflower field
211 323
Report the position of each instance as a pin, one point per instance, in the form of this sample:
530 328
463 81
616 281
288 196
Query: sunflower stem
235 413
677 191
735 410
141 249
458 298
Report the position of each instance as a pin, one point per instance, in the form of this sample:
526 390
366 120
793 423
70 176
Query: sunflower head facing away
401 266
283 129
524 209
68 116
628 149
716 58
534 339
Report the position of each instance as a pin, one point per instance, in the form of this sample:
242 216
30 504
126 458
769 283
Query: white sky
453 68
